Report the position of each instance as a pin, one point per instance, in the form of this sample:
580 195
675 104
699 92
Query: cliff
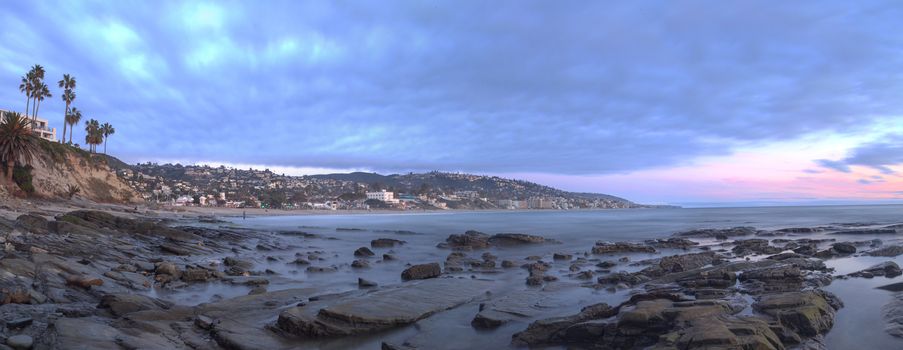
57 166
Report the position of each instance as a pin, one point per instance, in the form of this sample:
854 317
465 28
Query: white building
42 128
388 197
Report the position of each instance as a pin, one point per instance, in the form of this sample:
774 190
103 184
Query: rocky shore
88 279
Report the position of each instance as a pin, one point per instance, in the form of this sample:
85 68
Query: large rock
123 304
844 248
385 243
549 331
422 271
808 313
20 342
888 251
33 223
503 239
358 313
887 268
470 240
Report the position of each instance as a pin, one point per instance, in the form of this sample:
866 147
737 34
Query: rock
20 342
371 311
257 290
505 239
321 269
360 264
516 305
247 280
301 261
385 243
195 275
754 246
508 264
422 271
470 239
234 262
123 304
546 331
893 315
203 322
888 269
33 223
174 249
671 243
888 251
363 252
807 313
19 323
561 256
718 233
168 268
621 247
885 231
844 248
389 257
85 282
366 283
390 346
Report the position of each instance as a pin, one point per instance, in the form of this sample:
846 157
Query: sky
655 101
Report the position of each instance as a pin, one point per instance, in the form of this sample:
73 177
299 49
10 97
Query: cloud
559 88
879 155
834 165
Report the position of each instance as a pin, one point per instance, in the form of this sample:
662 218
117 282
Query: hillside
167 182
57 166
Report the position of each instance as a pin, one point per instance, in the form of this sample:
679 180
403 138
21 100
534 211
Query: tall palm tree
17 143
106 130
36 76
68 86
73 118
40 93
26 87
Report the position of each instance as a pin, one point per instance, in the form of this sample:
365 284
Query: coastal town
206 186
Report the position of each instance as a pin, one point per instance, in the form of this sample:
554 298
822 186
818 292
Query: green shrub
22 177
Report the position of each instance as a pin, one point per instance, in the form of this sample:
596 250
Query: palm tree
73 118
68 85
106 130
40 93
26 87
36 76
93 135
17 142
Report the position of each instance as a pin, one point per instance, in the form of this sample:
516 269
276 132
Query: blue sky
659 101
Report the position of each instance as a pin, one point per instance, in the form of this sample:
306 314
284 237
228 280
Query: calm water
577 231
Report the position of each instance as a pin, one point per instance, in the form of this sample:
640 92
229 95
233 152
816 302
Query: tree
36 77
106 130
73 118
68 86
17 143
93 134
26 87
41 92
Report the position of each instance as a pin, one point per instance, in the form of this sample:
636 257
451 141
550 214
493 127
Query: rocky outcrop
479 240
123 304
807 314
621 247
888 251
718 233
387 308
888 269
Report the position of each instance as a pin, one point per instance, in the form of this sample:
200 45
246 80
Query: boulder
20 342
363 252
470 239
504 239
421 271
385 243
844 248
888 251
360 264
366 283
33 223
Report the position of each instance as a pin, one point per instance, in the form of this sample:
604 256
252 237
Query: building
383 195
42 128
